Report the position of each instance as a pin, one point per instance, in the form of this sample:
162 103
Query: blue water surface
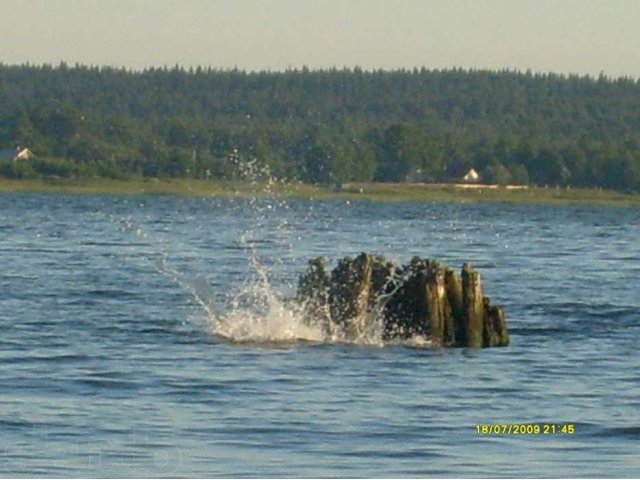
110 364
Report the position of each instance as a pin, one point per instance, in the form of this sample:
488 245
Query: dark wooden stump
421 298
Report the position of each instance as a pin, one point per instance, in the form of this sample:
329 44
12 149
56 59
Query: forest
324 127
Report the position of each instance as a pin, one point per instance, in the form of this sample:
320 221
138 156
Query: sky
584 37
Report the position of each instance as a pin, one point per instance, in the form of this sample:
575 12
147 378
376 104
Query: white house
471 176
16 154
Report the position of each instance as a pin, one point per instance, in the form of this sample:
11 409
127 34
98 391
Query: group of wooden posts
422 297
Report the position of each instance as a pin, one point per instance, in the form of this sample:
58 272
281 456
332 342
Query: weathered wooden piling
473 307
349 292
436 302
422 297
453 286
495 332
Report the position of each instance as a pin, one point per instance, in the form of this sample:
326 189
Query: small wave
628 432
33 358
541 330
98 382
112 293
606 311
14 423
112 243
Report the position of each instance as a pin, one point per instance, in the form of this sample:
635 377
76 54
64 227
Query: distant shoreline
389 192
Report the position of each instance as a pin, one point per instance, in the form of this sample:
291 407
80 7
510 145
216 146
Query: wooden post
438 310
495 328
454 329
349 291
474 312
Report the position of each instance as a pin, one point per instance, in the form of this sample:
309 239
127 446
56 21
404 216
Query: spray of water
256 313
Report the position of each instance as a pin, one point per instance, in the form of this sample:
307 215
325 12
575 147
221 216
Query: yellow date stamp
525 429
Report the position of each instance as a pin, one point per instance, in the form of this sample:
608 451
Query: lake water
145 336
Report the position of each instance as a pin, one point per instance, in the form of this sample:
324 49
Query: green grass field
349 192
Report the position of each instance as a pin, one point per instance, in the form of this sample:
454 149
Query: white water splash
257 315
278 325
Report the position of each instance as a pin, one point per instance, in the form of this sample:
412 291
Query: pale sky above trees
563 36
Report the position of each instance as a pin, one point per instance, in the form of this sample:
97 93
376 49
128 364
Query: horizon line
63 64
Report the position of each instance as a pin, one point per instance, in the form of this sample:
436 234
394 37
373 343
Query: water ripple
110 364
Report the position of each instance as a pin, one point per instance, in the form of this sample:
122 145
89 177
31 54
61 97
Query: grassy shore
349 192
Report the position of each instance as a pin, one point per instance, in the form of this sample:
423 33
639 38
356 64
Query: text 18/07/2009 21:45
526 429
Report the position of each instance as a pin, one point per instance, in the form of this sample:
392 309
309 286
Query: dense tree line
327 126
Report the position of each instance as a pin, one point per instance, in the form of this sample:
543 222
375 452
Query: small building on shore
16 154
471 176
